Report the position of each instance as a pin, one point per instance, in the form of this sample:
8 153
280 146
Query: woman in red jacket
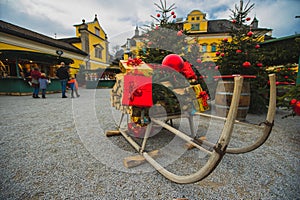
35 75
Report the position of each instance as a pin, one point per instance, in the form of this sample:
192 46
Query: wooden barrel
223 98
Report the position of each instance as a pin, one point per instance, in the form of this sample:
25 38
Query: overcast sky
118 18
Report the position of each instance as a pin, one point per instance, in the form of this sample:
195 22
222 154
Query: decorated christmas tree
165 37
241 54
283 55
172 56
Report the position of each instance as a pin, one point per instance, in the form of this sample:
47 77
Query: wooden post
17 68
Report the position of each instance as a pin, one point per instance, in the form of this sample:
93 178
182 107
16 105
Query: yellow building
207 33
195 22
91 38
133 45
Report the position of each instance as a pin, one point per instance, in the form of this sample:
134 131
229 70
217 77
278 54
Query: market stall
16 66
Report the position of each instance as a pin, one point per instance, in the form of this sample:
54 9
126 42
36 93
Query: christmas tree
172 56
165 37
283 55
241 54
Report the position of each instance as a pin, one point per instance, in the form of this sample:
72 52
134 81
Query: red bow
134 62
187 71
204 96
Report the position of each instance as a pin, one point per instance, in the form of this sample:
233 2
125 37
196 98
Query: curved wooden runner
268 124
219 149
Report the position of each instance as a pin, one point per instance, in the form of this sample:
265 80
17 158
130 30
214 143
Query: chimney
254 23
136 32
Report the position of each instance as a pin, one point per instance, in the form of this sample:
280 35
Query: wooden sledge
216 151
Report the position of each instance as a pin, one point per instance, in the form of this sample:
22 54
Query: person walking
63 74
35 75
74 86
43 84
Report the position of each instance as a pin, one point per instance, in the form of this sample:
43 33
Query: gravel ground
56 148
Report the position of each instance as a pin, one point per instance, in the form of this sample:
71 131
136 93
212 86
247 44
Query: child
74 86
43 84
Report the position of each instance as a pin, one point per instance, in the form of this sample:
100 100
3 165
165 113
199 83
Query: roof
12 29
196 12
291 37
219 26
84 25
71 40
224 25
35 56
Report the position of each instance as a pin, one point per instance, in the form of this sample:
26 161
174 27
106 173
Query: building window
204 47
195 27
97 31
193 18
213 48
198 18
98 52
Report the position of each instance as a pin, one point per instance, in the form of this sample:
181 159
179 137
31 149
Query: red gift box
137 91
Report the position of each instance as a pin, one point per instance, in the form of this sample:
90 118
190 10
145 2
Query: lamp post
59 53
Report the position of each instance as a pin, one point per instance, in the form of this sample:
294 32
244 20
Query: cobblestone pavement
55 148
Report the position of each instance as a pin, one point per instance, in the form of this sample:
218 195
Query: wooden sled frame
219 149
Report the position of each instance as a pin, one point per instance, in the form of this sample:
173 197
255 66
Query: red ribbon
203 96
134 62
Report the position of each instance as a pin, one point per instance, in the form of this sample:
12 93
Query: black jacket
62 73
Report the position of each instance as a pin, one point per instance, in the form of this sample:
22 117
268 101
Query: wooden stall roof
12 29
34 56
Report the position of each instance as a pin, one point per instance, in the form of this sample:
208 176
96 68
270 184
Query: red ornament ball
225 39
158 15
174 16
257 46
179 33
234 21
174 61
217 53
222 54
250 33
172 13
238 51
259 64
297 108
199 60
293 101
248 19
246 64
286 77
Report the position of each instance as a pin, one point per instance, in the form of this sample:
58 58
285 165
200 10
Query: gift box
135 66
137 91
200 104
